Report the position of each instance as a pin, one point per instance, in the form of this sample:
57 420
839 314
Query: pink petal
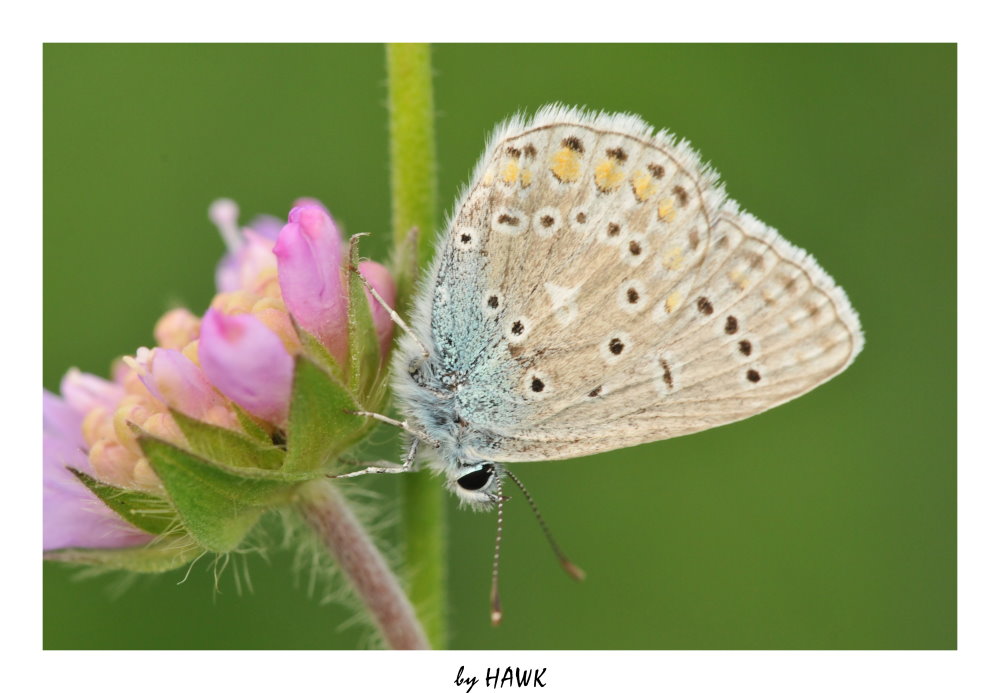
311 202
247 363
381 280
180 384
266 226
240 269
71 515
310 256
61 420
248 250
83 391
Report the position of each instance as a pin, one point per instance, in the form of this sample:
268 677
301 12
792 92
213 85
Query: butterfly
595 289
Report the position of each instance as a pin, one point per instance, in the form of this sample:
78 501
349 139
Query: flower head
236 361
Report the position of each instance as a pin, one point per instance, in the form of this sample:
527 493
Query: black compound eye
477 479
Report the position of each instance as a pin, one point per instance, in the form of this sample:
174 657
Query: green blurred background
827 523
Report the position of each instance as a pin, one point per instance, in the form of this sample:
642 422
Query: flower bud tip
225 214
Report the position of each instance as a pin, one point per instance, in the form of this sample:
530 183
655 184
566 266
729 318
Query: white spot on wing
563 302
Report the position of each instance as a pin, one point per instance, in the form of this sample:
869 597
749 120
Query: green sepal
250 426
362 340
143 510
217 505
227 447
320 422
158 556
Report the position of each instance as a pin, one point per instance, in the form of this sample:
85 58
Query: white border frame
970 668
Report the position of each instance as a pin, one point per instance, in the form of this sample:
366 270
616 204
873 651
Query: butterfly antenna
575 572
496 613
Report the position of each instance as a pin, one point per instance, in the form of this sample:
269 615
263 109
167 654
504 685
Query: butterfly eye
477 479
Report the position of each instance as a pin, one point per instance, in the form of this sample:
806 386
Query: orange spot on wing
566 165
666 211
608 175
642 186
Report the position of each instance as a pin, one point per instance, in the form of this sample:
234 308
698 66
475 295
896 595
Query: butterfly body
596 289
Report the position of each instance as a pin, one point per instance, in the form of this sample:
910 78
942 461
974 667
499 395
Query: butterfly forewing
613 296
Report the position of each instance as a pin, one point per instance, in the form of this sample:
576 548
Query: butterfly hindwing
597 290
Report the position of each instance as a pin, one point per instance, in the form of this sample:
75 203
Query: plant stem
412 155
329 515
414 186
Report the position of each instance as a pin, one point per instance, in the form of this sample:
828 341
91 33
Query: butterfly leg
382 302
386 467
423 437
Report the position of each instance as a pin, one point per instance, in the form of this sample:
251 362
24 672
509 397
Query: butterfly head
476 485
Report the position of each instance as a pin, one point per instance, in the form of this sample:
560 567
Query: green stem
414 188
412 155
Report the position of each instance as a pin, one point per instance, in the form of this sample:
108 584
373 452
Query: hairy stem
328 514
412 157
414 186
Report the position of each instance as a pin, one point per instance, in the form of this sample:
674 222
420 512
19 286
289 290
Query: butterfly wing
598 290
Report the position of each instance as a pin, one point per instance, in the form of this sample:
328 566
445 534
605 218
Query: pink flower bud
225 214
267 226
162 425
249 250
243 268
310 272
274 315
178 383
380 279
133 410
112 463
247 363
176 329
